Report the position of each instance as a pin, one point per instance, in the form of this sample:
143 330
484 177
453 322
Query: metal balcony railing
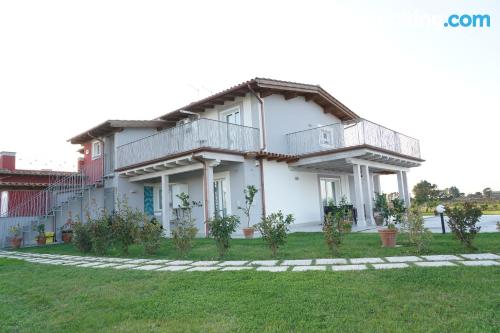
201 133
351 134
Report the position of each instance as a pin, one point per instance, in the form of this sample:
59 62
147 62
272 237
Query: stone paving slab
148 267
264 262
480 263
90 264
403 259
205 263
106 265
435 264
159 262
366 260
126 266
273 268
390 266
174 268
138 261
203 269
236 268
179 262
308 268
233 263
331 261
441 257
297 262
480 256
349 267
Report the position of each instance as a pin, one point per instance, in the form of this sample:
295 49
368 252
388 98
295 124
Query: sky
66 66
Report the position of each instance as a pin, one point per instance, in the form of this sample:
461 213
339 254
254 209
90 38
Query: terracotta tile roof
274 156
110 126
35 172
22 185
266 87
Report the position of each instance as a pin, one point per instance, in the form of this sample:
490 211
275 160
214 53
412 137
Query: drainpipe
205 190
263 148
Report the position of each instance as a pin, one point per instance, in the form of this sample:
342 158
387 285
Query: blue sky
67 66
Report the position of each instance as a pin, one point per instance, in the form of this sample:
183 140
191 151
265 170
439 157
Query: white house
295 142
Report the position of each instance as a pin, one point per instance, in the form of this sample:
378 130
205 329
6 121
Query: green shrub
150 236
125 226
184 231
81 237
418 235
100 233
221 229
274 228
462 220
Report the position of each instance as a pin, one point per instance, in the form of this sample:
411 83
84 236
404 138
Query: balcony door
230 130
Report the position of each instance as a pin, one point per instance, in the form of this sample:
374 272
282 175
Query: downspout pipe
262 148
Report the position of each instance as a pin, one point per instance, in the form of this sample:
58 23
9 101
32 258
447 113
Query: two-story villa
295 142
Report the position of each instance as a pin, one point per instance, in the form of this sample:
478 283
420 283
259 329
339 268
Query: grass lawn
298 246
491 212
43 298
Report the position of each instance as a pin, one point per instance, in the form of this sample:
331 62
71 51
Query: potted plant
67 231
16 233
41 239
395 215
250 191
380 209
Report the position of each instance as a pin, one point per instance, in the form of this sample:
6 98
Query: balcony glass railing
351 134
201 133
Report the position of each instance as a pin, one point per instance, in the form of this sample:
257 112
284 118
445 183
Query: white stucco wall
245 104
292 192
287 116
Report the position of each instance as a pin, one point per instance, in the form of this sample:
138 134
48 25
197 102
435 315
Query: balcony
201 133
351 134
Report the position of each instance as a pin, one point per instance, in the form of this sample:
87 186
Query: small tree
462 220
150 236
250 191
274 228
185 231
221 229
418 235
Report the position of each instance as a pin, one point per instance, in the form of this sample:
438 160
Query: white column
165 204
368 194
358 192
376 184
401 187
344 184
406 189
208 193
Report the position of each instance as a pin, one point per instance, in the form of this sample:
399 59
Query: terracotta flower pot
67 237
41 240
248 232
388 237
16 242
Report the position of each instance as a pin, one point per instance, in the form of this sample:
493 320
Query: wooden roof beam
290 95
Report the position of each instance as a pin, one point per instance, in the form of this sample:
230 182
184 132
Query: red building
18 186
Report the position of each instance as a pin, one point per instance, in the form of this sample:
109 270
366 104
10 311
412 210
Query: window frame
93 145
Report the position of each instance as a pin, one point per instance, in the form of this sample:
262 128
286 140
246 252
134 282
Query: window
231 116
96 150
